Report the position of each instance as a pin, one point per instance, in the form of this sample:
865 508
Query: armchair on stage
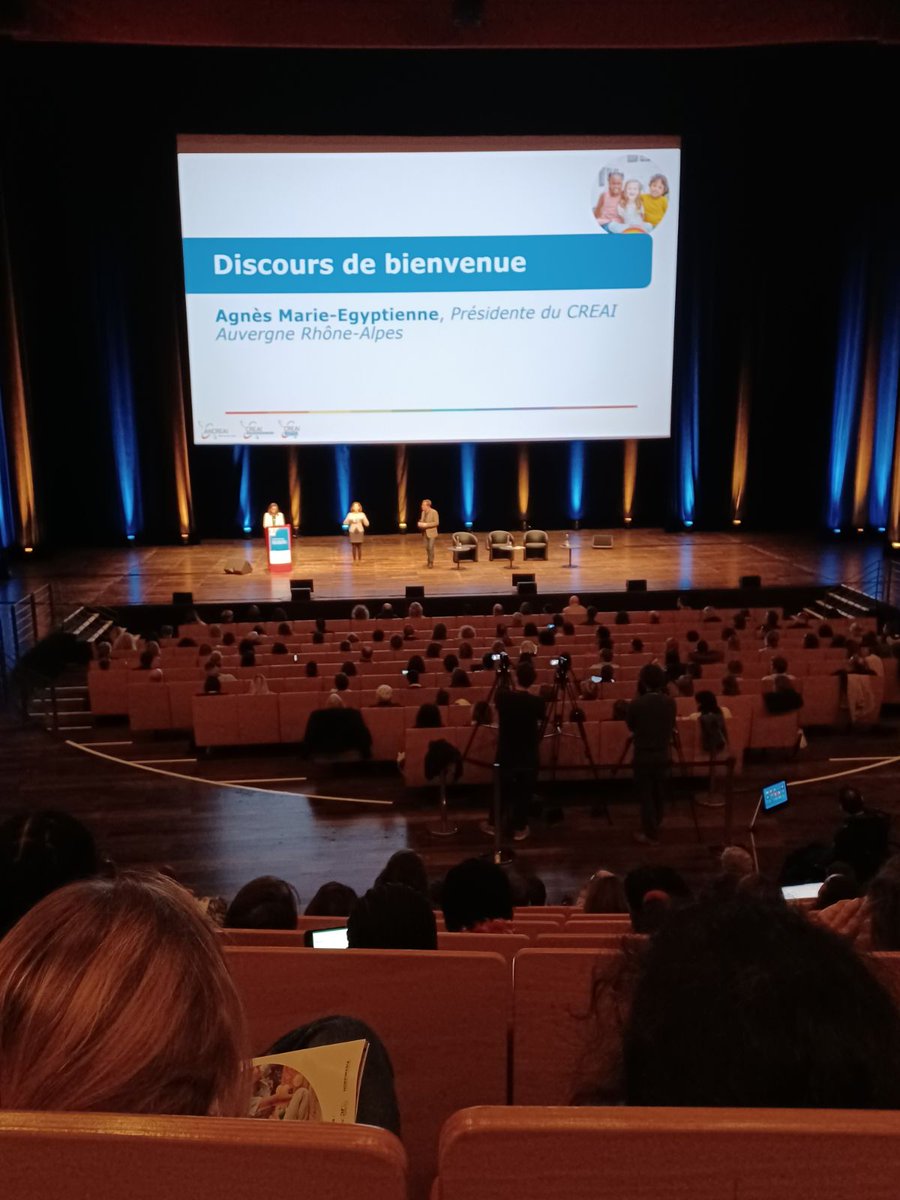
465 547
537 544
500 544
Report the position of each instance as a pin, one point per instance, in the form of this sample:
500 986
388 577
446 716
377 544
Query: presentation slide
360 291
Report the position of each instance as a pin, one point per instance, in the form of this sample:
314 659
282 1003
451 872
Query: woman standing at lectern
272 516
357 523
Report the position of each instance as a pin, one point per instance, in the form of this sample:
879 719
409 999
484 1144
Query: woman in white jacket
357 523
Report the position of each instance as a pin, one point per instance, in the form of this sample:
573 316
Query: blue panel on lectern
280 538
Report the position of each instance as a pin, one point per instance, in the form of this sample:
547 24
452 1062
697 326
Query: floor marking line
140 761
884 762
111 743
238 787
270 779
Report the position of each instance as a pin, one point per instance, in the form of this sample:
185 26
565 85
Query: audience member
114 997
39 853
406 867
392 916
724 1013
652 893
384 696
476 897
263 903
651 719
864 837
605 893
331 900
428 717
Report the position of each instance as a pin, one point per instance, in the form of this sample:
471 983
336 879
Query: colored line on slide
318 412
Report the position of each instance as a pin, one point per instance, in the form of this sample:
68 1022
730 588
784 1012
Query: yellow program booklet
318 1084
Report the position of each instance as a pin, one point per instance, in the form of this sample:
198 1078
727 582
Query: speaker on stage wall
635 585
415 591
522 577
302 583
602 541
751 581
527 588
185 598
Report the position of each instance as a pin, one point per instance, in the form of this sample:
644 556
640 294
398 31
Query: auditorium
449 599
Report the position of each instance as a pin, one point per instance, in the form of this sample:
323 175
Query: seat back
78 1156
559 1046
506 944
420 1004
536 537
615 1153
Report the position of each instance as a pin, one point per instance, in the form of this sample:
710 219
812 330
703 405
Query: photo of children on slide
634 196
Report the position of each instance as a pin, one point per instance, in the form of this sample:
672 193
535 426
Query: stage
668 561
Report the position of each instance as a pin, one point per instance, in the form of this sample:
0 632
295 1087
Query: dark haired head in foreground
475 891
406 867
331 900
748 1005
392 916
263 903
40 852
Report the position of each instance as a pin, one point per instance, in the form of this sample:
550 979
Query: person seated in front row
115 998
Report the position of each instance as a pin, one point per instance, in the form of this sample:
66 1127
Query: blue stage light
688 524
342 479
847 377
129 537
241 459
576 481
467 482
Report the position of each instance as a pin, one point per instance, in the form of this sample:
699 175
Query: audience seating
506 944
280 716
443 1016
616 1153
558 1047
81 1156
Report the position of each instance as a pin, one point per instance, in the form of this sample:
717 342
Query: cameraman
519 717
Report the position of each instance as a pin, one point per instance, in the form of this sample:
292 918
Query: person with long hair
115 997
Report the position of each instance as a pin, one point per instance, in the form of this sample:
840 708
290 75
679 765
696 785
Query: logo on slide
289 429
211 433
632 196
253 429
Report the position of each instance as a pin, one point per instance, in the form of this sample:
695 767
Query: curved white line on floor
884 762
140 766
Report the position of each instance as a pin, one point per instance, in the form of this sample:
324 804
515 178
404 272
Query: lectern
278 548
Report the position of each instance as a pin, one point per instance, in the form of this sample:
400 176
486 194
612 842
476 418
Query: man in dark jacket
651 719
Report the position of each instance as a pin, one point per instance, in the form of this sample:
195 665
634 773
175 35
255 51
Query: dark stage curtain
785 187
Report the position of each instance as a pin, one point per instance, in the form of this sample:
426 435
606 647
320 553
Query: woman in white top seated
272 516
357 523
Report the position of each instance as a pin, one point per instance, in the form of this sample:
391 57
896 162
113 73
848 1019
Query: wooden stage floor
150 574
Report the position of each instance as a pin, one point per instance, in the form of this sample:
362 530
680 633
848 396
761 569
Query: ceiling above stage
448 24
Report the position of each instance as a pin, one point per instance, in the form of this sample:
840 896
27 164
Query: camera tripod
565 690
502 682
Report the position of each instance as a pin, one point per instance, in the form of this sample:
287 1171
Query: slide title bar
539 262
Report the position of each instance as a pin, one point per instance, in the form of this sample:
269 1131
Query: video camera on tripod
562 664
502 667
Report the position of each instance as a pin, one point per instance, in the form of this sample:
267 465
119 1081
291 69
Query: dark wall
777 146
